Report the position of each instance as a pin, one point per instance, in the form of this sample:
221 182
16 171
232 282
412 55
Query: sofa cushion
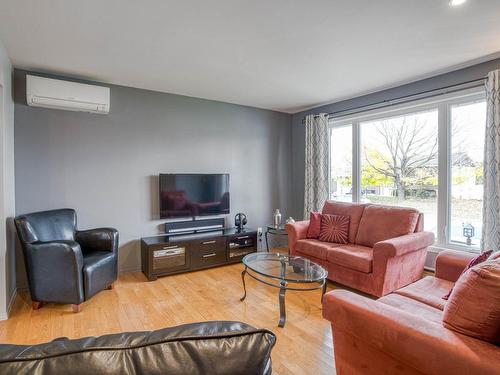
413 307
314 225
473 308
355 257
353 210
314 248
380 223
428 290
334 228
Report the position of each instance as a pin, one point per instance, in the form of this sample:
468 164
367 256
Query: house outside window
427 154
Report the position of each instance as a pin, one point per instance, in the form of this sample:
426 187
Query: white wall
7 199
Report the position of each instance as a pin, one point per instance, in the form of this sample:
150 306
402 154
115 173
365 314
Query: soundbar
194 226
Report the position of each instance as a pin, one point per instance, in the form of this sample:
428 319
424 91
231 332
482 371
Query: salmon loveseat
404 332
386 250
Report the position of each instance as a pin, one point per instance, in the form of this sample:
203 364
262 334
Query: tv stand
183 252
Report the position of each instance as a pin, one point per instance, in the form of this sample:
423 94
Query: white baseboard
131 269
4 315
12 301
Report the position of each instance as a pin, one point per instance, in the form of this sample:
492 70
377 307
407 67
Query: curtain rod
408 98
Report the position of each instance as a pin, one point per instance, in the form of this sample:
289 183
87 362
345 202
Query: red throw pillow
314 225
334 228
474 306
474 261
494 256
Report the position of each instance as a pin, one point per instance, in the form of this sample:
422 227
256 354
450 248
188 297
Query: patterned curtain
491 201
316 178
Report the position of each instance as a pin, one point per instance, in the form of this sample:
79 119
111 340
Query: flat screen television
190 195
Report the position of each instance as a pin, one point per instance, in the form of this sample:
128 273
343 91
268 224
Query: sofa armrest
100 239
451 263
404 244
407 338
296 231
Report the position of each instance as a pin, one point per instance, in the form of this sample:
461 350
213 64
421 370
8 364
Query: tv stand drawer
206 256
168 258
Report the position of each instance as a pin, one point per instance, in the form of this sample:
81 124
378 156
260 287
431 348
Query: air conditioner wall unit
71 96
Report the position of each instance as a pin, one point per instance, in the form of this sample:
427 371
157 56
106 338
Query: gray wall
106 166
7 201
298 131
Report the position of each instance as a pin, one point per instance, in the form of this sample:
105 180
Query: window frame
330 131
443 104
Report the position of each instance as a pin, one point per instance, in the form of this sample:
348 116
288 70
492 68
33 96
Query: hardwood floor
304 345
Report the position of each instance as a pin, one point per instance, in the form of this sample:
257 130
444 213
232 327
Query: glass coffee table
284 272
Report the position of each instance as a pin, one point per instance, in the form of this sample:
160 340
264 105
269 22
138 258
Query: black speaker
240 220
194 226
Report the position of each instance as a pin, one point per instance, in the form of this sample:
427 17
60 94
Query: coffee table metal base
283 287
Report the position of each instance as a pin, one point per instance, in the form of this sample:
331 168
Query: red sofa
403 332
386 250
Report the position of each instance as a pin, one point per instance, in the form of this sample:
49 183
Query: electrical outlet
259 231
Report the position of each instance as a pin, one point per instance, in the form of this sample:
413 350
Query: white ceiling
286 55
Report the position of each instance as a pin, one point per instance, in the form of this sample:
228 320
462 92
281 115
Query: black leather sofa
215 348
63 264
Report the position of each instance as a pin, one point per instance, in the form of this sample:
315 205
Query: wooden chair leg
36 304
111 286
77 308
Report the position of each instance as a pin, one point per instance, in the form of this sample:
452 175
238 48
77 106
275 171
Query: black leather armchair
211 348
63 264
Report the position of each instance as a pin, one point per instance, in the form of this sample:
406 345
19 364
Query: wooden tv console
176 253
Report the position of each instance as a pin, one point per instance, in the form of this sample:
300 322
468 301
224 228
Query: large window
399 162
467 155
341 163
427 155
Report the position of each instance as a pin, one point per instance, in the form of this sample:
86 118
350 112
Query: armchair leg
36 304
77 308
111 286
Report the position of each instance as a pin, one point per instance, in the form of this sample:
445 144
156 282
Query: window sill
437 248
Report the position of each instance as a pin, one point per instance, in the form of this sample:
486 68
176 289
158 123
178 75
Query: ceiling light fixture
455 3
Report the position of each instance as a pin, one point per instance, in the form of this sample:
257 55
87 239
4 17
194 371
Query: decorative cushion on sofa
495 255
334 228
353 210
314 225
473 308
380 223
473 262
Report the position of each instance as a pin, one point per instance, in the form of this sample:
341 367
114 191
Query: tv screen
189 195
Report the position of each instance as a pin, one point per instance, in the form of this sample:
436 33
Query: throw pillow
474 261
474 306
314 225
334 228
495 255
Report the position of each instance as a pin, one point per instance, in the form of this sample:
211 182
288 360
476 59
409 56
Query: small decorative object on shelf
277 218
240 220
468 232
290 220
